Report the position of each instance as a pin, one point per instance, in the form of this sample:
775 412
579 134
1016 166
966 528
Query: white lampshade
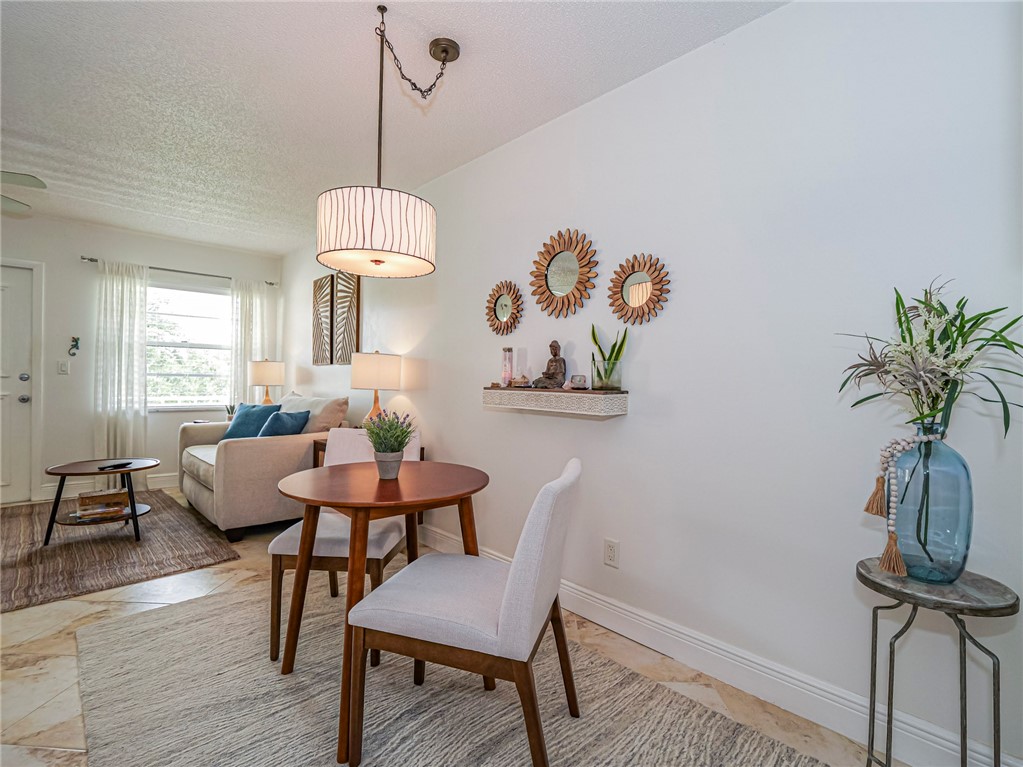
266 373
376 371
376 232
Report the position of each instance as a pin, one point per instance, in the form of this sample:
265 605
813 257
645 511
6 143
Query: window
188 345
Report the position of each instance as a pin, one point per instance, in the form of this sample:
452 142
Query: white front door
15 384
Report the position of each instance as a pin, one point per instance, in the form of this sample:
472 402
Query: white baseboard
161 481
916 741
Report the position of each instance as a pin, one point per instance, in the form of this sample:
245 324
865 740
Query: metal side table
972 595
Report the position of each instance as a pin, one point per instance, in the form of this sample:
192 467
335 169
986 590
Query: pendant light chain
423 92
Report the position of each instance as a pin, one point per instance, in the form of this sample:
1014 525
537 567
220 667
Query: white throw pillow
324 413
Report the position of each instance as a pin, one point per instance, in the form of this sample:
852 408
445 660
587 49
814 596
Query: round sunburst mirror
504 308
563 273
639 289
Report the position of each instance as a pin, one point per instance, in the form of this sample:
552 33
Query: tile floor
41 716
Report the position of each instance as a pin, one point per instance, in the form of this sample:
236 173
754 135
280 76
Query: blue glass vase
934 519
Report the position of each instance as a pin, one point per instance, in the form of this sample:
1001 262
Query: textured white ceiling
220 122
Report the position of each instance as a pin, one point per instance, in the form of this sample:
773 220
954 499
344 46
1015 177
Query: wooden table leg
305 559
53 511
467 521
357 543
412 553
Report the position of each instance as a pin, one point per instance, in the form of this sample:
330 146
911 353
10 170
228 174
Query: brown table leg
471 546
412 553
305 559
467 522
357 543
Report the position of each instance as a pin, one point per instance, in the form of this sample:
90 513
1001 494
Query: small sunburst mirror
504 308
639 289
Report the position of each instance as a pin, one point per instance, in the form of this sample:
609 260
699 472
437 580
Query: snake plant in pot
389 433
923 487
607 371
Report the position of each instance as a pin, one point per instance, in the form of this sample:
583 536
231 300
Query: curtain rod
92 260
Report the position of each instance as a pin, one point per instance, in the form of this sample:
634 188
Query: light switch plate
64 368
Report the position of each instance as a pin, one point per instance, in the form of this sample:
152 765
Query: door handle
24 398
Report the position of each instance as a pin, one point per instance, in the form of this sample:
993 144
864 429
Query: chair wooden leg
561 640
358 697
332 574
376 577
276 584
526 686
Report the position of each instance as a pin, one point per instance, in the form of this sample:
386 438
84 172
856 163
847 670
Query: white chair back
353 446
536 568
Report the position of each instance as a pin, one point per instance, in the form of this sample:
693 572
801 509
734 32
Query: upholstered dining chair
330 551
477 615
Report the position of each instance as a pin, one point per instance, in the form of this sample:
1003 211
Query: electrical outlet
611 553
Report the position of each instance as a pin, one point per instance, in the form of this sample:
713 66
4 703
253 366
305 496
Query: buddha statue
554 374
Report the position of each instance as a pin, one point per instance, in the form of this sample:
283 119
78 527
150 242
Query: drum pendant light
374 231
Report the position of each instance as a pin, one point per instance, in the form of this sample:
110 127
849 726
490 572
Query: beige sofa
234 483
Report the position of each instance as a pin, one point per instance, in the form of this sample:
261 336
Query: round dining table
355 490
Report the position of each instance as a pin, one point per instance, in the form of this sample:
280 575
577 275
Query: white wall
69 309
789 174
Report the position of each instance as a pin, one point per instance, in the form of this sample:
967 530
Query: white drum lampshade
376 232
266 373
376 371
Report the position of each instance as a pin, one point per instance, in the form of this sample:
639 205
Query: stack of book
102 504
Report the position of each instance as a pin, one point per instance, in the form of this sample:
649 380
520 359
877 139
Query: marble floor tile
19 626
23 756
56 724
60 639
704 694
29 681
242 578
172 588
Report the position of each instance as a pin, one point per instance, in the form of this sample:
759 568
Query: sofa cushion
324 413
249 419
280 424
198 461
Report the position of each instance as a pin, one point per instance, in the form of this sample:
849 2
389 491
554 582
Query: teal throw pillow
249 419
279 424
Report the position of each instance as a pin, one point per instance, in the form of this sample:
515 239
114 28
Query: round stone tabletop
971 594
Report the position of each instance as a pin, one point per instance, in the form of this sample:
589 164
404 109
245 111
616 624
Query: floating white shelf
599 404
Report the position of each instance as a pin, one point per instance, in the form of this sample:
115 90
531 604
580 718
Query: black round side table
971 595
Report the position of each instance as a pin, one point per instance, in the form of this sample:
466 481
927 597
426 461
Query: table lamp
266 373
376 371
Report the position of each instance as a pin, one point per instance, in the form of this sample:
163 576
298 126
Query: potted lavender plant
923 486
390 434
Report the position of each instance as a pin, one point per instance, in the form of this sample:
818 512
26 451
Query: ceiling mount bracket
444 49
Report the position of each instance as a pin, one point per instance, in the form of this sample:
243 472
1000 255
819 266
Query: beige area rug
83 560
192 684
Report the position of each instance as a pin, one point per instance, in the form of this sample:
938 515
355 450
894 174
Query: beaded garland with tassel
891 559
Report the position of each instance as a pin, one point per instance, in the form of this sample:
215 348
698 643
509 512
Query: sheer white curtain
121 364
249 300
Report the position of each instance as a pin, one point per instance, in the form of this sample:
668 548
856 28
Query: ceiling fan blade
21 179
13 206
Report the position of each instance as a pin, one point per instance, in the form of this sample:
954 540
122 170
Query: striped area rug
83 560
192 684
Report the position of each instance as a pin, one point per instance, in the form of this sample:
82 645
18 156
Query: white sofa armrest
198 434
247 473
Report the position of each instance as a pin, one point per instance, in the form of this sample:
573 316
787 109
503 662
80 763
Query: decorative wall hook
73 349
